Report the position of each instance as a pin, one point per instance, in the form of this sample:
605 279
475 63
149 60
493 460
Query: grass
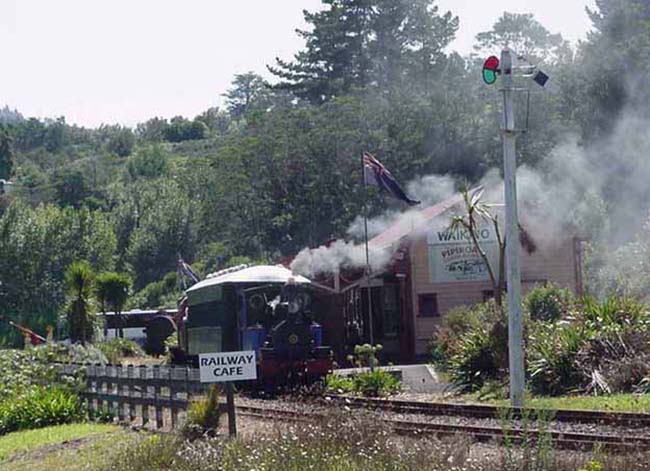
611 403
51 448
349 442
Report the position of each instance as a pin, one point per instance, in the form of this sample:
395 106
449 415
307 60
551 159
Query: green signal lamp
491 70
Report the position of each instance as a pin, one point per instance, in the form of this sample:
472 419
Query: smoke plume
595 191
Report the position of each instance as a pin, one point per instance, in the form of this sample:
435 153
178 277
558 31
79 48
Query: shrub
548 303
474 348
373 382
367 383
203 414
39 407
147 453
473 363
376 383
601 347
21 370
552 354
613 314
339 384
117 348
455 324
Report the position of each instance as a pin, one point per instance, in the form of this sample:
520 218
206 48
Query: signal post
515 324
492 68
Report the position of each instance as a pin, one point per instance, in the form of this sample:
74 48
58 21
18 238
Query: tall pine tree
353 44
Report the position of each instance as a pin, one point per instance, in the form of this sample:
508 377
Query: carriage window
428 305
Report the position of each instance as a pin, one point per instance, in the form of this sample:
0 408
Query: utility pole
515 326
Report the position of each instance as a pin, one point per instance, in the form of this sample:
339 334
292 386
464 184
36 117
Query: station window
428 305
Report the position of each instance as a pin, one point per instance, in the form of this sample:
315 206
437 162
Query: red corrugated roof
405 226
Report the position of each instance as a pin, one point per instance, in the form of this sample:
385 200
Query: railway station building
432 270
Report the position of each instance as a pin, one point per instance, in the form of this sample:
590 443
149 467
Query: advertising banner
453 256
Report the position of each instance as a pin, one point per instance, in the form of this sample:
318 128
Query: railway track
479 411
417 428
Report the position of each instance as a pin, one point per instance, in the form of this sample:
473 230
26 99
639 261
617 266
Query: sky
125 61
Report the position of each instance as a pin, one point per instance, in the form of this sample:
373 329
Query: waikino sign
227 366
454 257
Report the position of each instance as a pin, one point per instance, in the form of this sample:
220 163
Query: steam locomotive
262 308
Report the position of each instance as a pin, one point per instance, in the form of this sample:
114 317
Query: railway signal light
491 70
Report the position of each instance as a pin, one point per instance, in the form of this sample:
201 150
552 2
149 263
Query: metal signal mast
491 69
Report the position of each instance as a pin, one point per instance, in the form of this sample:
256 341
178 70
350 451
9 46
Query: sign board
227 366
453 256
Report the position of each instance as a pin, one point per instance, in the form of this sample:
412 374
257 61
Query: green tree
56 135
352 44
215 120
181 129
29 134
247 90
112 290
6 154
71 186
152 130
121 142
37 246
78 279
164 226
148 162
612 66
525 35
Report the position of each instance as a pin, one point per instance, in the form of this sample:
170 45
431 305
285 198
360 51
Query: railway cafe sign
453 256
227 366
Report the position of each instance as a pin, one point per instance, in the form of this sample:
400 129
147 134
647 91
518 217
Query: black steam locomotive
260 308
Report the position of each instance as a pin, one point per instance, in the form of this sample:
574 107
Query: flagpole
365 228
180 272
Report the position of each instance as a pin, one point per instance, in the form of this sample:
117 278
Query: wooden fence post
91 387
130 374
156 396
144 394
122 403
103 388
173 395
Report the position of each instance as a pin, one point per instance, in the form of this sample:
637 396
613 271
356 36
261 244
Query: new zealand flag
376 174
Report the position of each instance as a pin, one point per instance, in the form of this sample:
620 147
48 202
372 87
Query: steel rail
563 440
480 411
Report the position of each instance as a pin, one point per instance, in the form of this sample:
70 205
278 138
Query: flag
376 174
187 270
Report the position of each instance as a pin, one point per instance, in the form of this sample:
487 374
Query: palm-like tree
112 289
79 280
476 213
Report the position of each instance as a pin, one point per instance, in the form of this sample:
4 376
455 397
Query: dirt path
40 453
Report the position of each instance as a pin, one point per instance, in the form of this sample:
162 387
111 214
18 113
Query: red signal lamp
491 70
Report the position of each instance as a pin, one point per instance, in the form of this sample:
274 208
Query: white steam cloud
342 255
339 255
562 197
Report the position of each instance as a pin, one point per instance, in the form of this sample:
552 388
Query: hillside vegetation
278 168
